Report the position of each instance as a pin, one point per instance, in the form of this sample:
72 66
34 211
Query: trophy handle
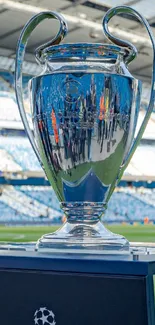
21 46
131 55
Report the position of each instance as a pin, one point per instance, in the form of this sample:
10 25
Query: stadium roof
84 20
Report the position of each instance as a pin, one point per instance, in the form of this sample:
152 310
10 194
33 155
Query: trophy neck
84 57
83 212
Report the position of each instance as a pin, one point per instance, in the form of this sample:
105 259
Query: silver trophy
85 106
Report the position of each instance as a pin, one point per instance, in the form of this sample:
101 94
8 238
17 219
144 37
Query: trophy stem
83 238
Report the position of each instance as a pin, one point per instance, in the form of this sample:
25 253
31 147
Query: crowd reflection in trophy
74 127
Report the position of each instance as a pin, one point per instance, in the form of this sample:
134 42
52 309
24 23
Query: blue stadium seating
127 206
21 153
26 205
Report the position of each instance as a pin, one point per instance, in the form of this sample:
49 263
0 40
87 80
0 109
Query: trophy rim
83 50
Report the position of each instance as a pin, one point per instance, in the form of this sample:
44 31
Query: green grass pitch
138 233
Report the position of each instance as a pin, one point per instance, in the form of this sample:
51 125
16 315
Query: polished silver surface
84 125
85 107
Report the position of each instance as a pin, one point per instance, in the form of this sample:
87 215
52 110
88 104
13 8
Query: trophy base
84 238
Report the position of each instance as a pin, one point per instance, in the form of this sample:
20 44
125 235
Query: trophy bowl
85 106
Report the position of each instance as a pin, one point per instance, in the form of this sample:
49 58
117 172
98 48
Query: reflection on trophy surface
85 108
81 137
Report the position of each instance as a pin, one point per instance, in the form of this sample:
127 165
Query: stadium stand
18 154
9 113
128 205
28 205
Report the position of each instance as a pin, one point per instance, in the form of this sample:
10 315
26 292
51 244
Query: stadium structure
25 194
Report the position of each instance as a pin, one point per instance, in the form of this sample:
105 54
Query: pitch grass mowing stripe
144 233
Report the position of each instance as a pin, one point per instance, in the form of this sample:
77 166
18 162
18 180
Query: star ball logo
70 90
44 316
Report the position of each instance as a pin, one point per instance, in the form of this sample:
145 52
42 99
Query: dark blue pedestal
77 290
